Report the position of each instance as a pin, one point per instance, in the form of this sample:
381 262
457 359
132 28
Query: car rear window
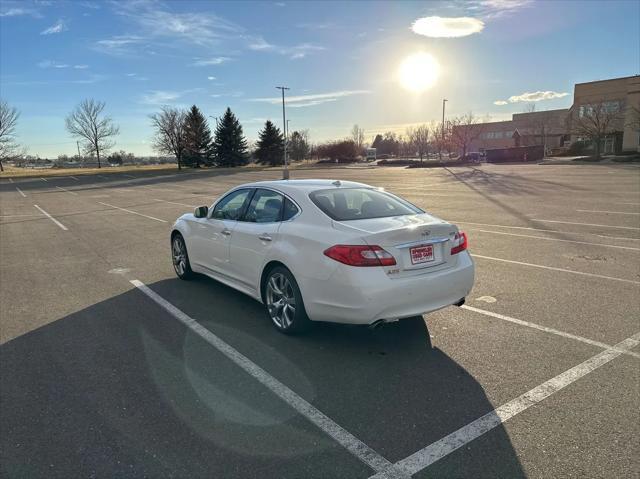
346 204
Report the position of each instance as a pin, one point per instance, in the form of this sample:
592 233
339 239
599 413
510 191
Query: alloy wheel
179 255
281 300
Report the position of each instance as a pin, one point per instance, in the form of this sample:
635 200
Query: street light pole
444 101
215 118
285 171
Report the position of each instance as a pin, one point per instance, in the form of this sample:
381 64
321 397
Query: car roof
305 186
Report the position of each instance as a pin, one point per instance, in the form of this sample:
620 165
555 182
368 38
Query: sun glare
418 72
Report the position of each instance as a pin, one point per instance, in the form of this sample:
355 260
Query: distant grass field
13 172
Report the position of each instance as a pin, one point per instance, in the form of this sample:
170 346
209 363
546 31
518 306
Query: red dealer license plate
421 254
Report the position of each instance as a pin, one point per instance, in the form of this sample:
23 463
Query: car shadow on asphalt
121 388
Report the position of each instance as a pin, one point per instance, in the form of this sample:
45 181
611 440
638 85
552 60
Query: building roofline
609 79
539 111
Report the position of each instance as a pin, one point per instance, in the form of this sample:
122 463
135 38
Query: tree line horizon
186 135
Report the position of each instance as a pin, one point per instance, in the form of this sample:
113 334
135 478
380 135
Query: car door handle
226 232
264 237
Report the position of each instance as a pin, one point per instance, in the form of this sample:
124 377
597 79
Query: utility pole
78 145
444 100
285 171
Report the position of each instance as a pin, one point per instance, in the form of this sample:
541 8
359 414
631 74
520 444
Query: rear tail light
459 243
360 255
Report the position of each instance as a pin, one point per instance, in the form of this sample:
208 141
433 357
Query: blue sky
340 59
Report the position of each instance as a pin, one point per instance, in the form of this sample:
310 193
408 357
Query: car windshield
346 204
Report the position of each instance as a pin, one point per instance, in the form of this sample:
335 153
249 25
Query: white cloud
311 103
211 78
311 100
163 97
52 64
294 52
316 25
204 62
536 96
19 11
500 102
80 67
497 8
57 27
260 43
91 5
280 4
198 28
159 97
447 27
119 44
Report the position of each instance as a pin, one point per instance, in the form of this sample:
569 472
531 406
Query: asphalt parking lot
111 366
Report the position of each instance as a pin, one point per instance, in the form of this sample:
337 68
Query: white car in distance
323 250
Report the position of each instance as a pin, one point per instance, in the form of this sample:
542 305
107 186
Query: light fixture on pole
285 171
444 100
215 118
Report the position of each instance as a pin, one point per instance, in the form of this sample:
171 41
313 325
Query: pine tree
270 145
229 146
197 139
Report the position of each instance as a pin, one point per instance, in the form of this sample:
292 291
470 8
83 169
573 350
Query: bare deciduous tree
419 139
170 135
96 131
8 121
597 120
357 135
464 130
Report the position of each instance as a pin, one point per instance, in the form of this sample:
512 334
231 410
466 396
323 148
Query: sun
418 72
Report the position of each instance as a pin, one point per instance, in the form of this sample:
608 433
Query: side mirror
201 212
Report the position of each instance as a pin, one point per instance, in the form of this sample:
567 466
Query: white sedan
322 250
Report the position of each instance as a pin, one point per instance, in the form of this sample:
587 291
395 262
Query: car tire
284 303
180 257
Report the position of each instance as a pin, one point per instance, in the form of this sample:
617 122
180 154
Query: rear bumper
365 295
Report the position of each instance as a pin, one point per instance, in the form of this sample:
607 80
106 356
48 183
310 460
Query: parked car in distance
323 250
472 157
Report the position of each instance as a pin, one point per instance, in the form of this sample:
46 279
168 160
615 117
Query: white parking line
10 180
460 438
74 178
546 329
593 275
20 191
587 224
133 212
323 422
608 212
128 176
556 239
102 176
43 179
51 218
174 203
66 190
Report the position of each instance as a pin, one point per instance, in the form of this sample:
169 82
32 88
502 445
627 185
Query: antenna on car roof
337 183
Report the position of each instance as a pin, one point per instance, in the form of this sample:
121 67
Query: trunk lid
419 243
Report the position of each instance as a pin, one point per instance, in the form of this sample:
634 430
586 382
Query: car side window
290 210
232 206
265 207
